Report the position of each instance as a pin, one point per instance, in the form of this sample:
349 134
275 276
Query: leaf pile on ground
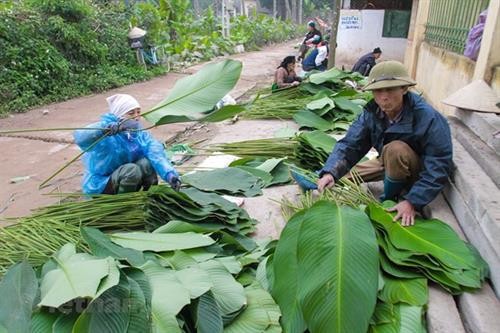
165 281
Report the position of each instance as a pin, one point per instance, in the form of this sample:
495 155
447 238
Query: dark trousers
131 177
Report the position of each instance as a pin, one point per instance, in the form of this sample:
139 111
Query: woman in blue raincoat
128 158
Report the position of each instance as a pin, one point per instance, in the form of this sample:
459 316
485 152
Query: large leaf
310 119
76 276
208 316
285 268
331 75
158 242
228 293
102 247
409 291
197 93
18 290
321 103
226 112
169 296
345 104
108 313
261 315
232 181
43 321
431 237
338 269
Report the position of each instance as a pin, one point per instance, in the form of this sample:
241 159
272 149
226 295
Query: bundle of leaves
336 226
309 150
324 101
36 237
140 282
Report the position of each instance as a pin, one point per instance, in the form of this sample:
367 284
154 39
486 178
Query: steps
485 125
474 190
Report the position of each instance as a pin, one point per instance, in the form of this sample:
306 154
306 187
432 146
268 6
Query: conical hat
476 96
136 32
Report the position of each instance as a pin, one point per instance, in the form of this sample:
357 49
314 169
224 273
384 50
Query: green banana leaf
18 290
311 120
345 104
332 75
260 316
102 247
326 270
285 287
409 291
169 296
158 242
321 104
337 248
208 315
232 181
76 276
43 321
193 96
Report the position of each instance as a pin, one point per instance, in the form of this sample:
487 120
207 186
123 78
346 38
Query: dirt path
27 160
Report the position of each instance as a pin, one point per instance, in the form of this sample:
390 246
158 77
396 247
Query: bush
54 50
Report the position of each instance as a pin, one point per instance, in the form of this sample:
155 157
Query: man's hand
326 181
295 83
405 212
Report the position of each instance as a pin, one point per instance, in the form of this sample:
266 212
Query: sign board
350 20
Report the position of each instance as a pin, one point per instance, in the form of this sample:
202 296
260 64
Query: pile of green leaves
407 256
309 150
38 236
166 281
324 102
244 177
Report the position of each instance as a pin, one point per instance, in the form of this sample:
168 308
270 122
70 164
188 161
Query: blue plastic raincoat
114 151
424 129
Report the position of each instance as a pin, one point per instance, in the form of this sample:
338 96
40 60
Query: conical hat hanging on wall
136 32
476 96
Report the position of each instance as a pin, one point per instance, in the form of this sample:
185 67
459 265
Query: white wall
353 43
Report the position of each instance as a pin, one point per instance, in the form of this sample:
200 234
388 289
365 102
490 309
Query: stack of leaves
282 104
309 150
140 282
36 237
190 205
430 248
313 149
408 257
324 102
324 272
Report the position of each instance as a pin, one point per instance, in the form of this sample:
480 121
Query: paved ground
38 155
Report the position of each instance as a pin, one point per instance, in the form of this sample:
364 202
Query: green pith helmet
388 74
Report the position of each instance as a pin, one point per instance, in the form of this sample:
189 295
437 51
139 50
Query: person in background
317 58
412 138
312 37
127 158
285 75
365 64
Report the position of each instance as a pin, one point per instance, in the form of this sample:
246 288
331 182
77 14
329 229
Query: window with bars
449 22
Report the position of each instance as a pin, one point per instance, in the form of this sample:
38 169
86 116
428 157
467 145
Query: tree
333 35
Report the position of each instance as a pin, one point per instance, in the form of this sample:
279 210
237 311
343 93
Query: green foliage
54 50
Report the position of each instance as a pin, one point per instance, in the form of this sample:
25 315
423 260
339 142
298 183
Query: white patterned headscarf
120 104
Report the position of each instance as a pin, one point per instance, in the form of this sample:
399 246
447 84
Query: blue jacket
114 151
365 64
424 129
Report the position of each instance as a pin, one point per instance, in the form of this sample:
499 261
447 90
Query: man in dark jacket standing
412 138
365 64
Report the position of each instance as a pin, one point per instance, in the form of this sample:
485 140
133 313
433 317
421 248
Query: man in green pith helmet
412 138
